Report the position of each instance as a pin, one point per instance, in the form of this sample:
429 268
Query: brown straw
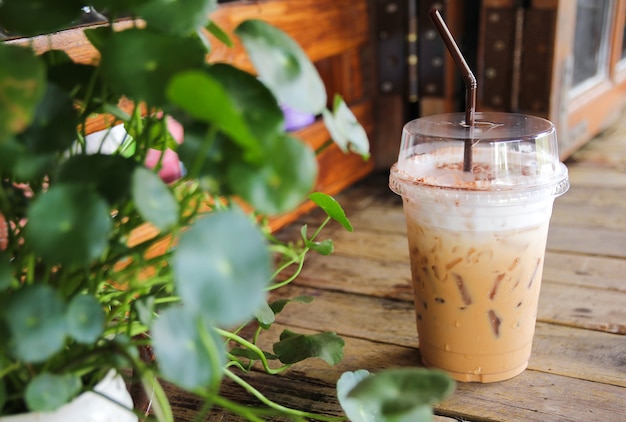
468 78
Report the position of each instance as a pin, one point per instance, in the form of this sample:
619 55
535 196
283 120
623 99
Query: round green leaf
283 66
22 84
222 266
253 99
395 393
37 323
54 127
69 224
85 319
188 351
355 410
34 17
177 17
282 182
154 201
294 347
47 392
206 99
111 174
139 63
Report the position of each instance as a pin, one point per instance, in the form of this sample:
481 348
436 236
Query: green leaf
85 319
111 174
222 266
69 224
47 392
119 6
3 392
252 99
325 247
22 84
145 308
54 126
282 182
283 66
154 201
294 347
278 305
177 17
77 78
345 130
206 99
355 410
332 208
266 315
34 17
188 350
37 323
206 156
395 394
6 272
219 33
140 64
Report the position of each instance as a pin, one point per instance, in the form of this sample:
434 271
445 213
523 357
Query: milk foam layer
463 215
493 168
512 191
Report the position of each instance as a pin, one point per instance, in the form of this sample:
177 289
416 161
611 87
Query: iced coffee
477 238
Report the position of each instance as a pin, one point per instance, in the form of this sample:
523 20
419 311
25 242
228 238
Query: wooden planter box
333 34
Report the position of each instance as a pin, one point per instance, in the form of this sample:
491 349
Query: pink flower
171 168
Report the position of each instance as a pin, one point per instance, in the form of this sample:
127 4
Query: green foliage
154 201
294 347
393 395
48 391
37 325
283 66
102 256
22 84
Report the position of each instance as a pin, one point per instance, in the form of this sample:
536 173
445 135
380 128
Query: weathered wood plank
579 353
587 240
589 215
393 321
534 395
593 176
377 278
537 396
583 307
589 271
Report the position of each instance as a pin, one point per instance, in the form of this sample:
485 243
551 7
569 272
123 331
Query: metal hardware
391 27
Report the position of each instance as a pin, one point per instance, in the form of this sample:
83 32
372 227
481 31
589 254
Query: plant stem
286 410
254 348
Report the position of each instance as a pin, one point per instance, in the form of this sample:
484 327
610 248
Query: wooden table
577 371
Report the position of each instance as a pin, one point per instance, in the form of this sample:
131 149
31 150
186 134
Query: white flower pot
89 406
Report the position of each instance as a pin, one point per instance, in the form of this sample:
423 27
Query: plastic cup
477 239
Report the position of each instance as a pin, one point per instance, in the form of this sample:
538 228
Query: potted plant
101 258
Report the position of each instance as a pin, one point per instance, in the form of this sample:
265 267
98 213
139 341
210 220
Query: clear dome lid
500 152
